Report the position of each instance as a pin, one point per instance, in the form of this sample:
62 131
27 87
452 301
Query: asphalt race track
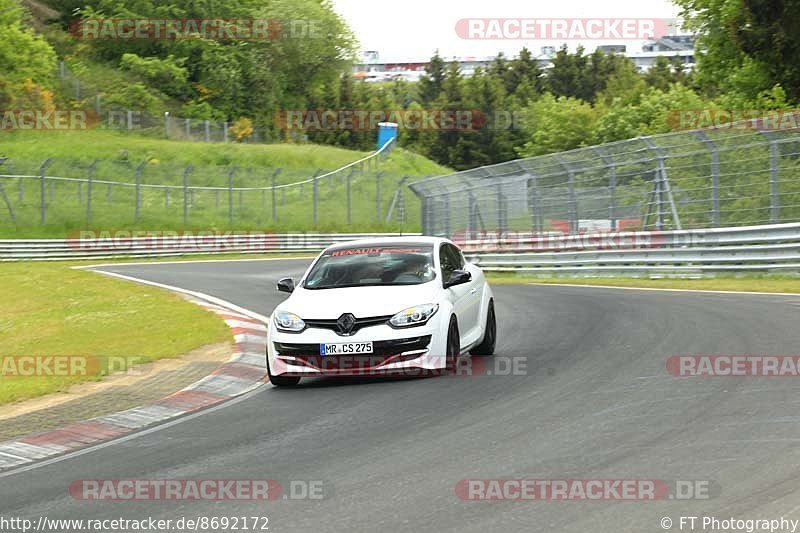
592 400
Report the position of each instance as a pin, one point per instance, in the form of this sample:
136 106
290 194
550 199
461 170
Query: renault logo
346 323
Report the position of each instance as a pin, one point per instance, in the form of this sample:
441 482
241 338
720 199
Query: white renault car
404 305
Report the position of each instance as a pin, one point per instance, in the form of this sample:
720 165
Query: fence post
472 224
349 198
188 127
186 173
89 193
315 197
208 131
42 189
430 203
166 123
397 201
138 191
8 204
130 120
573 199
225 131
274 204
534 204
230 194
378 210
774 200
774 168
447 214
612 186
712 148
662 187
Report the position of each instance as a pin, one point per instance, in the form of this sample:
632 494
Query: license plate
347 348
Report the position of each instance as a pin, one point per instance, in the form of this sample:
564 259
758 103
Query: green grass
120 154
118 145
752 283
51 309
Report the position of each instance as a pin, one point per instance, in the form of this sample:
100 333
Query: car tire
282 381
453 345
487 346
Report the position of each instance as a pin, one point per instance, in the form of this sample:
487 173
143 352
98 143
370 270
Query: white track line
795 294
202 296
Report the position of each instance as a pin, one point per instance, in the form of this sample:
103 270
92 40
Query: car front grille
359 324
384 352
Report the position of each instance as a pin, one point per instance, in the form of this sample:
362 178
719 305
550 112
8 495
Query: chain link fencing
56 195
737 175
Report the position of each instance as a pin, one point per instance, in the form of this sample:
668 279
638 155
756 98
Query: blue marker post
387 131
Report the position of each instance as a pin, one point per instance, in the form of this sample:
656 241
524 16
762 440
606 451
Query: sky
411 29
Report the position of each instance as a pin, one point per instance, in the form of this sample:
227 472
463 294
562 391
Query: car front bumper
405 351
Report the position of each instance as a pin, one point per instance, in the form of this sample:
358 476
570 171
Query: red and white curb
244 372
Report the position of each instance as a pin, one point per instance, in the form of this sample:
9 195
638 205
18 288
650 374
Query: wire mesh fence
57 194
728 176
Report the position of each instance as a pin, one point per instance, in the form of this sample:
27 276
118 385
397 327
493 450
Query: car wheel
282 381
489 336
453 345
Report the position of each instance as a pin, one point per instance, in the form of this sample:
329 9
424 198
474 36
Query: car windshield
407 264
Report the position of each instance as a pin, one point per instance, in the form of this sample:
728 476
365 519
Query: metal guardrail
111 247
772 248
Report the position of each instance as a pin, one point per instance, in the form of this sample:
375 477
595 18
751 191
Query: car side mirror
458 277
286 285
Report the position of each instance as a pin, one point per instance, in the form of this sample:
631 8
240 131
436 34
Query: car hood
363 302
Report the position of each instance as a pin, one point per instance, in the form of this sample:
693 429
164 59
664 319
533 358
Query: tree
554 124
23 54
524 69
746 46
430 84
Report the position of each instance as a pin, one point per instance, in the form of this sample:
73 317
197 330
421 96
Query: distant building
373 69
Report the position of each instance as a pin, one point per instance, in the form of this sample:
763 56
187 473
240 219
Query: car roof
384 241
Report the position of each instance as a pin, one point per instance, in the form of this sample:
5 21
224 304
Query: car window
372 265
450 260
459 258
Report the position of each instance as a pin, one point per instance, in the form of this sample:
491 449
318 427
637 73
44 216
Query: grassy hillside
165 162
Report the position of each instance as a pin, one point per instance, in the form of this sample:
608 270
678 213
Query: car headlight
289 322
414 316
